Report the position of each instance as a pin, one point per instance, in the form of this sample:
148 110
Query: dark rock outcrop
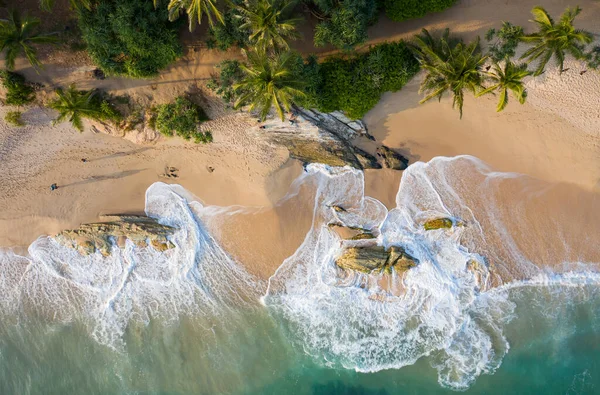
438 223
392 159
115 230
376 258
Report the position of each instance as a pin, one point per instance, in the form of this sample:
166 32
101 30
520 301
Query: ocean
197 320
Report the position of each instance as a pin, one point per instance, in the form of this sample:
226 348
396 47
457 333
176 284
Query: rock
438 223
366 160
391 159
363 236
326 152
372 258
116 229
339 209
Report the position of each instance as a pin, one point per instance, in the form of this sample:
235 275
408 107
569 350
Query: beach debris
368 259
115 230
210 169
392 159
438 223
170 172
53 187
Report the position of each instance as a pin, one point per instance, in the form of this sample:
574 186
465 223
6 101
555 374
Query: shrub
346 22
129 37
18 91
14 118
231 73
355 84
229 34
180 117
202 137
506 43
399 10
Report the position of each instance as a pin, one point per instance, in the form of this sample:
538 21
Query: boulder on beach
392 159
438 223
114 231
376 258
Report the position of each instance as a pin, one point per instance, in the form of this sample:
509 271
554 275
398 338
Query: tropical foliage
355 84
504 42
195 10
129 37
180 118
268 23
450 66
344 23
18 91
14 118
507 78
47 5
555 39
228 34
399 10
74 105
18 35
230 74
268 82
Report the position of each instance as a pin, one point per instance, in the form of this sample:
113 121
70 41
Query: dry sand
554 137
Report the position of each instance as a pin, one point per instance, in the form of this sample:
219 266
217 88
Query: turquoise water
193 321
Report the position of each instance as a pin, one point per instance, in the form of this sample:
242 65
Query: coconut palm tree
74 105
18 35
555 39
47 5
195 9
510 77
268 82
450 66
267 22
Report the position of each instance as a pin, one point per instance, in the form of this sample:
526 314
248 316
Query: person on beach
53 187
84 160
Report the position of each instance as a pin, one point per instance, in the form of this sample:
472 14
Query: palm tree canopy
74 105
510 77
267 22
555 39
47 5
268 82
18 34
195 9
450 66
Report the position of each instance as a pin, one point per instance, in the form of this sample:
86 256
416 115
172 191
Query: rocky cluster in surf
114 230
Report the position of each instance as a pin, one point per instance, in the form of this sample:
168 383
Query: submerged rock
371 258
115 230
438 223
391 159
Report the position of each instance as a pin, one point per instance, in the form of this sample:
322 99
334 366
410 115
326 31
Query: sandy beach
554 137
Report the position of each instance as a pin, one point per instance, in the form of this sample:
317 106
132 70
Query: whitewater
446 314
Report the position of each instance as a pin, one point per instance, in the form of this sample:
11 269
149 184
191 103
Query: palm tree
18 34
267 23
75 105
555 39
47 5
268 82
508 78
451 66
195 9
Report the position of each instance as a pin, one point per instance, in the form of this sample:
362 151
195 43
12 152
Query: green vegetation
229 33
47 5
344 23
129 37
14 118
507 40
18 91
450 65
268 81
181 118
510 77
195 9
268 23
400 10
555 39
74 105
231 73
354 84
19 34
